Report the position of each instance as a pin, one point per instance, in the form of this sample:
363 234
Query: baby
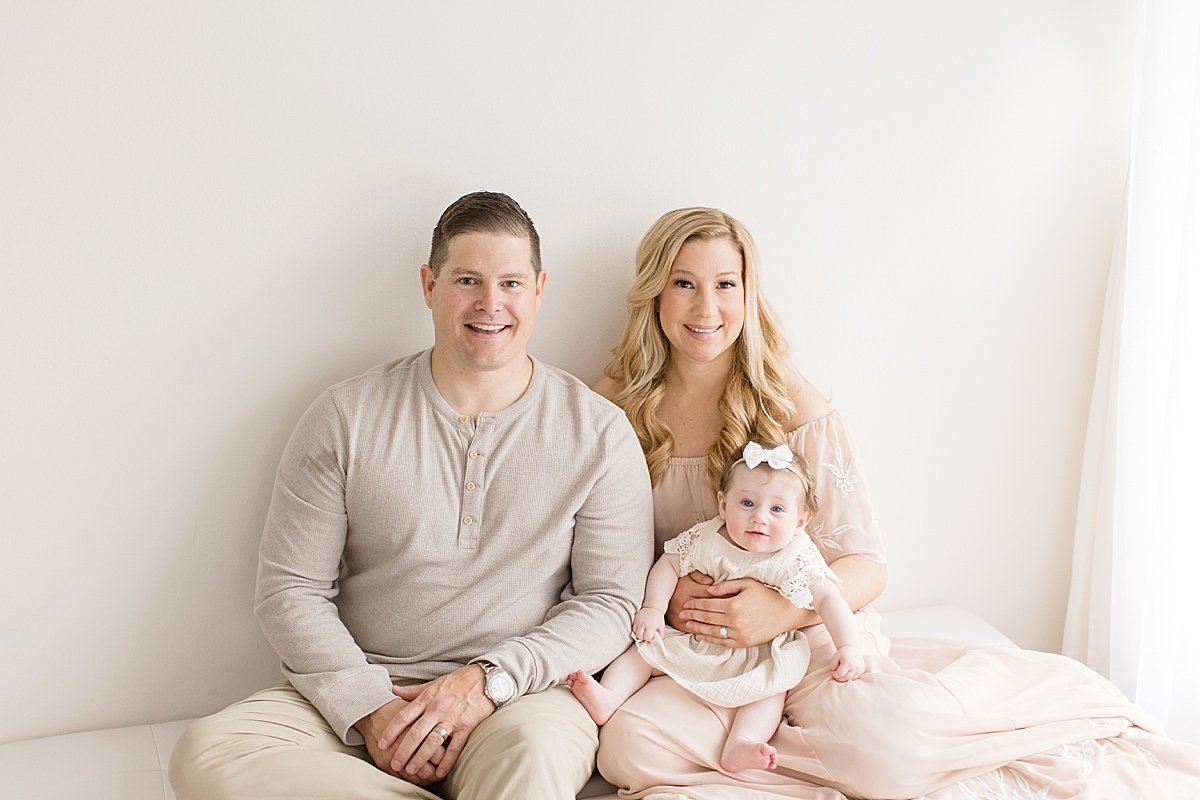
765 500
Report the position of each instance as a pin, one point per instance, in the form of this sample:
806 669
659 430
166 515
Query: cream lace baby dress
735 676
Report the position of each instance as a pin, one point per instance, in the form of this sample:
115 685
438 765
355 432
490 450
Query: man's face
484 301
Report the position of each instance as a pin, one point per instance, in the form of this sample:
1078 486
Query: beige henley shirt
405 539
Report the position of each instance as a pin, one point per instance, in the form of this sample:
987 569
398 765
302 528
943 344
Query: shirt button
470 486
474 454
467 520
463 420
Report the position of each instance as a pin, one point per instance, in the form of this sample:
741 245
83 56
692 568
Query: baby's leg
621 679
753 726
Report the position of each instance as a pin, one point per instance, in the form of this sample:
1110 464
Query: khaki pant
275 744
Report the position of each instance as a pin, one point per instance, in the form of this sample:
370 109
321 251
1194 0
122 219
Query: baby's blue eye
747 504
777 509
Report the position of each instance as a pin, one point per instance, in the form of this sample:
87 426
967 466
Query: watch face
501 686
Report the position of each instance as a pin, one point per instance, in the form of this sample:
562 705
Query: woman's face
703 307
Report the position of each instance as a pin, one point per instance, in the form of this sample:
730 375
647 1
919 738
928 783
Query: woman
701 366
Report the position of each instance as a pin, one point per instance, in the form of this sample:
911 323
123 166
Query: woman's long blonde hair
756 400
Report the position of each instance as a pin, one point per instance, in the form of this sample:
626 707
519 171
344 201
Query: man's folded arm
611 554
299 556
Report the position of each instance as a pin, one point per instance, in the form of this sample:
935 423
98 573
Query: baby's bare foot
740 754
600 702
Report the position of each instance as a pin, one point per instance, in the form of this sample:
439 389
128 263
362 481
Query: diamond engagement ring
724 632
439 734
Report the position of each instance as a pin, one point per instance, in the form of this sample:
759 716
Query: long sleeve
299 558
610 556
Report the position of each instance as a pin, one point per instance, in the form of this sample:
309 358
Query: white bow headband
777 458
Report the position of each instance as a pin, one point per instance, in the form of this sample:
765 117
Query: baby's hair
799 468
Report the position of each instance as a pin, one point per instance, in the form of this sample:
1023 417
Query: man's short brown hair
485 212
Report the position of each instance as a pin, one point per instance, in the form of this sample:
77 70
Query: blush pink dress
932 719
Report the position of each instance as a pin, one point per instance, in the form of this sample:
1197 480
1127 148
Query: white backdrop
209 212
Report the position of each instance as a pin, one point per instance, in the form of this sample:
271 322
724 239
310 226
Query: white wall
210 211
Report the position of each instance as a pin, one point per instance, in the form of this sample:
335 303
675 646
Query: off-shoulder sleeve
807 570
845 524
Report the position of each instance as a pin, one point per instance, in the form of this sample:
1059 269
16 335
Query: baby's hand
648 623
847 664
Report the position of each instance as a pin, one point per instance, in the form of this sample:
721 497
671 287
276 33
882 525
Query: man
467 524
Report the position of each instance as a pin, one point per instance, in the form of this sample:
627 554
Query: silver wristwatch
498 685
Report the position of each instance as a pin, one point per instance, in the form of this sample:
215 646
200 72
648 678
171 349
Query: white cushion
114 764
131 763
942 622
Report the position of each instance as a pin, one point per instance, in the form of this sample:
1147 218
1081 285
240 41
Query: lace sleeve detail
684 546
806 571
845 523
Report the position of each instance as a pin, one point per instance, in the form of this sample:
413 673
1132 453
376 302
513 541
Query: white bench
131 763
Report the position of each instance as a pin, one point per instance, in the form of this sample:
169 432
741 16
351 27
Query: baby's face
763 508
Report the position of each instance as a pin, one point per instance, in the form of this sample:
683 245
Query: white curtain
1134 610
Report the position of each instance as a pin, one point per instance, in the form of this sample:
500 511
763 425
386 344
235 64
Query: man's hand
750 612
454 703
372 725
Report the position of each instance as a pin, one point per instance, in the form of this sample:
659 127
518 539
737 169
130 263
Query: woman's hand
746 611
692 586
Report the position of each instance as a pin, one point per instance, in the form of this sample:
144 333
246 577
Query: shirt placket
470 520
